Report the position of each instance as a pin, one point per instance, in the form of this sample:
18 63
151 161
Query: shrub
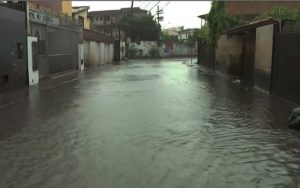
154 52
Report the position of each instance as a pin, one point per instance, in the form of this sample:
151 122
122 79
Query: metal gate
117 50
286 68
57 48
62 50
206 54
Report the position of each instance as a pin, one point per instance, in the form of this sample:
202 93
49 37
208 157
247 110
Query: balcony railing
64 19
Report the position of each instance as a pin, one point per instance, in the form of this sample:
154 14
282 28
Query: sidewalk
13 97
58 80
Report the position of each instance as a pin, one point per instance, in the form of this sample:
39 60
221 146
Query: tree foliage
281 12
218 21
202 33
164 36
140 28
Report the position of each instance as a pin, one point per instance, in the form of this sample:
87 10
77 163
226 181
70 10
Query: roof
115 12
186 31
251 26
79 9
90 35
104 12
203 16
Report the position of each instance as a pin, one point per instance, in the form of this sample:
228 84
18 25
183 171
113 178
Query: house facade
64 7
173 31
81 14
107 22
185 34
98 48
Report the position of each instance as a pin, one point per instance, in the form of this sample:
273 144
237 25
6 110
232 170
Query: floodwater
148 124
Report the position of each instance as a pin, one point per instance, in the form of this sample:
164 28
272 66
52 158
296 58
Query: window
81 19
101 18
106 18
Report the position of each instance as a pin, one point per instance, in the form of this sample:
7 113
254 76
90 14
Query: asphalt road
147 124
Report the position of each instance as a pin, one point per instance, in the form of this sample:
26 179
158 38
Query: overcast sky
176 13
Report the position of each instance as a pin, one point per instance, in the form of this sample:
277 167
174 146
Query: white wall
122 53
33 75
86 47
102 52
144 46
169 49
97 53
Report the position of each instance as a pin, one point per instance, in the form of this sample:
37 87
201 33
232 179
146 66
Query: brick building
250 9
58 5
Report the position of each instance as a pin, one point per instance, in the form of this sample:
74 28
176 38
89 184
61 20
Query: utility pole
130 30
131 11
159 18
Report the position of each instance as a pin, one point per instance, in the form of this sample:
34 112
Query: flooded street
148 124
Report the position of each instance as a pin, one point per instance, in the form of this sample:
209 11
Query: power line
154 6
147 4
167 4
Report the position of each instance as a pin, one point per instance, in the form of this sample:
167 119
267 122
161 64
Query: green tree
281 12
218 21
140 28
164 36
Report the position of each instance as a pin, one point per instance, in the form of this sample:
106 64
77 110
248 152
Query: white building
184 34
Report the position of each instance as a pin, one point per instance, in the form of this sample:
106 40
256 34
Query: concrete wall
102 52
97 53
86 47
122 50
144 47
228 54
13 62
263 57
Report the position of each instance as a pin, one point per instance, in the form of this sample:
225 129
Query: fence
286 68
58 38
206 54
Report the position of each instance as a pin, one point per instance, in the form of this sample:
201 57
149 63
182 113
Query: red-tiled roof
97 37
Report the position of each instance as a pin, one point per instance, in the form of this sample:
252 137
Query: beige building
81 13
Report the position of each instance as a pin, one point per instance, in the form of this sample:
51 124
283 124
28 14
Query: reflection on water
176 127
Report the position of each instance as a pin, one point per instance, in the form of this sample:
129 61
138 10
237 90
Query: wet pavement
147 124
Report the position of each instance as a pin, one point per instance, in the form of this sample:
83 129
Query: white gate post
33 75
80 57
